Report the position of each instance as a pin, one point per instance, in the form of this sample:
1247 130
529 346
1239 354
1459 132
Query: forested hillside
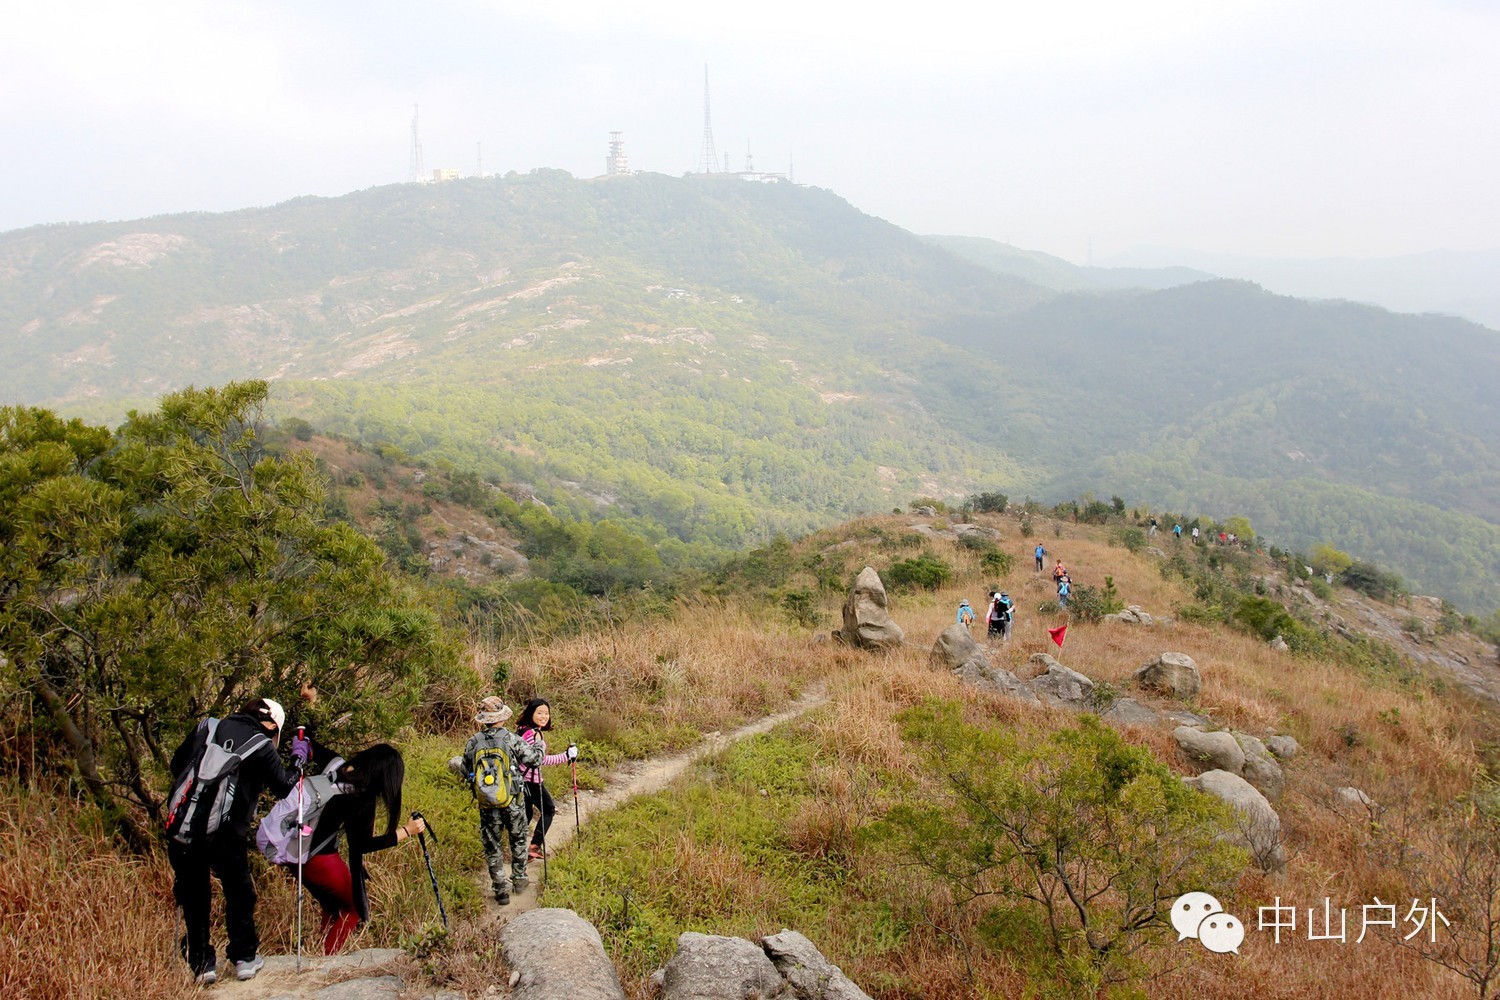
710 362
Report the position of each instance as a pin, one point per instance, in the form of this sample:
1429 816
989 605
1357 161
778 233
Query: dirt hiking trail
638 777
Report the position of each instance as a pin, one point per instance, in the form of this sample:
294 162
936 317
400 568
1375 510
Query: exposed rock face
1173 674
867 622
982 675
1279 645
558 955
1261 769
1129 712
1283 748
1348 795
1258 827
1221 751
810 975
709 967
956 647
1132 615
1064 687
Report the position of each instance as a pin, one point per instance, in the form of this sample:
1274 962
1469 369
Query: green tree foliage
171 570
1327 559
925 571
1367 578
1082 836
989 503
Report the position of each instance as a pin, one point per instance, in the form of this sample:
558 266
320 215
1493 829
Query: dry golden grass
79 919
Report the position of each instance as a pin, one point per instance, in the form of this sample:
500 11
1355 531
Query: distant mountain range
1447 282
712 360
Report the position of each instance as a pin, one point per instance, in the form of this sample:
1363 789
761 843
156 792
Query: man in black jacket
224 851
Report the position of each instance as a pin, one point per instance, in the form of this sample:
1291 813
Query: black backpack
203 795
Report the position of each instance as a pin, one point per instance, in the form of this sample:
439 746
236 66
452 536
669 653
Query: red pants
327 878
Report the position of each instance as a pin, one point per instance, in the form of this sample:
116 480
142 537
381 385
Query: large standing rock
709 967
867 622
1173 674
810 975
558 955
1064 687
955 647
1257 827
1261 769
1219 750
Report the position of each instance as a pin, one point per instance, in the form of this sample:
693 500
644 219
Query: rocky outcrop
1283 748
1257 827
1132 615
709 967
1129 712
998 679
867 620
954 647
1260 769
1173 674
557 955
810 975
1059 686
1220 750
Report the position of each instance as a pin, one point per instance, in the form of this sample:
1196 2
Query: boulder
981 674
557 955
867 622
1257 826
1220 750
1133 615
1173 674
1278 645
709 967
374 988
1063 687
1261 769
1348 795
811 976
955 647
1283 748
1129 712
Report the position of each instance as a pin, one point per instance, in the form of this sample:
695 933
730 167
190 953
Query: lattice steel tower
418 174
709 161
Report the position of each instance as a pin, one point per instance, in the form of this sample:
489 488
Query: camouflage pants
497 829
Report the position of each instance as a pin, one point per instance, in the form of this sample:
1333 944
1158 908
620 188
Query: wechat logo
1199 915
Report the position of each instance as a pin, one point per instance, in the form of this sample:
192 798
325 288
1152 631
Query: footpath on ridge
339 977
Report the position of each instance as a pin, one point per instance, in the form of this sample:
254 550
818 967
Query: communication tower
615 164
418 174
709 162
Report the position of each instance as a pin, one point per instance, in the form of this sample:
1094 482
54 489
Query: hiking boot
502 896
520 884
536 853
247 970
207 977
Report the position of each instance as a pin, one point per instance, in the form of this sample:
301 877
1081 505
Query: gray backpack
202 797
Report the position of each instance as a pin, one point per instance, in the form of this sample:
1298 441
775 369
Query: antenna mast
418 174
710 158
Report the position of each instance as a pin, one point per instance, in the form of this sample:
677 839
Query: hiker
1177 532
1041 555
1064 588
1195 534
217 775
1005 609
1152 532
1058 571
342 804
491 761
535 719
965 613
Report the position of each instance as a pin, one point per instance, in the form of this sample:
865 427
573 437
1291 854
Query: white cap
278 714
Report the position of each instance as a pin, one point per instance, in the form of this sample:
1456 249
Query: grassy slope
715 853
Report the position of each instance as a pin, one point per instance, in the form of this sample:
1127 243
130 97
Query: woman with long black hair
536 718
373 776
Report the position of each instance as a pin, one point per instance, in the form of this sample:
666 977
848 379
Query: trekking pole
576 835
301 859
431 875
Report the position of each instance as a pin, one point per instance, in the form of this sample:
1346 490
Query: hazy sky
1308 128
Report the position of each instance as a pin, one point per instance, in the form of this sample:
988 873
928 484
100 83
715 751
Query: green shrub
926 571
997 562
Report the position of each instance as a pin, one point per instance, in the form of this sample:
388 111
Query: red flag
1057 634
